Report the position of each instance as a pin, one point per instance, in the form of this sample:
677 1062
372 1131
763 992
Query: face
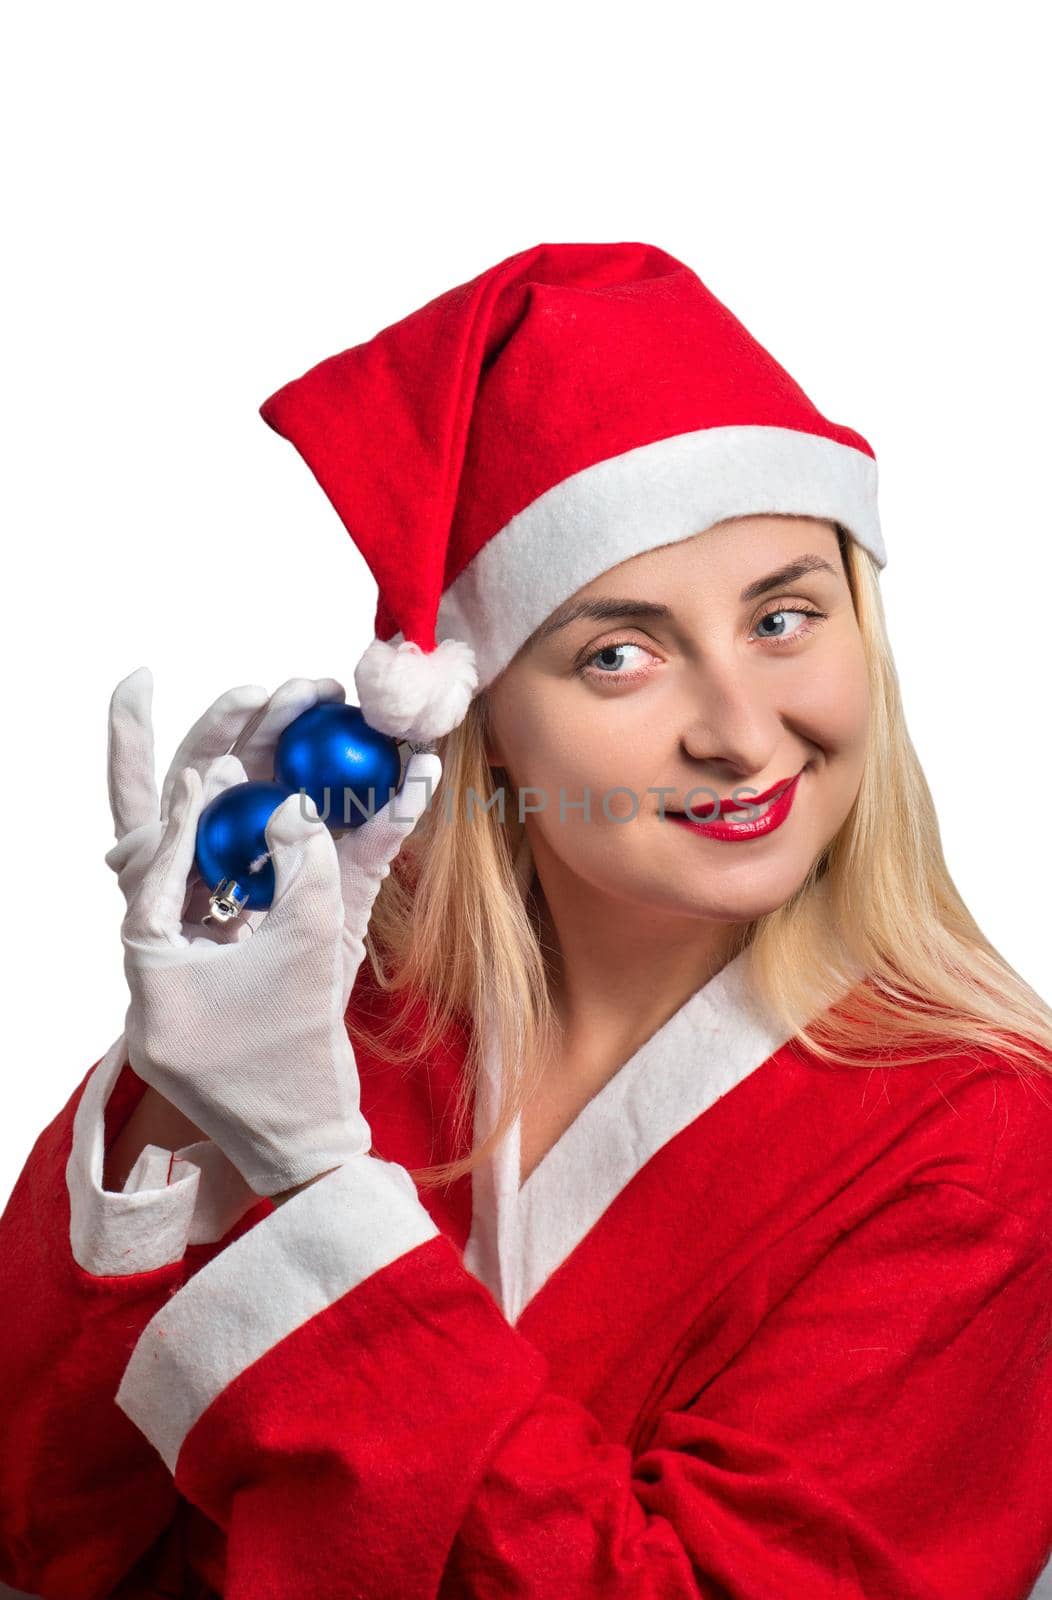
714 670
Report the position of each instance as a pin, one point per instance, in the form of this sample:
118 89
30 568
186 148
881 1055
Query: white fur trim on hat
410 693
653 495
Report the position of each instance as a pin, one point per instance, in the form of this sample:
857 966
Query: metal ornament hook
226 902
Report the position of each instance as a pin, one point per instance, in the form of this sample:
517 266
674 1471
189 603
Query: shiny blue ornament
330 752
232 847
349 770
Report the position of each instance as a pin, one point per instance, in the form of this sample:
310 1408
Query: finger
402 812
155 913
422 774
213 733
405 807
377 841
257 745
306 871
129 753
135 849
221 774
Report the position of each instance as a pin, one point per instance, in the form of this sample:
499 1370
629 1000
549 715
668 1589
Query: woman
679 1222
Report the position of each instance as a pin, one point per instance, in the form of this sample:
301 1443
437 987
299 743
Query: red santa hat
570 407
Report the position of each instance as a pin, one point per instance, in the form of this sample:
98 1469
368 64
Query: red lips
704 808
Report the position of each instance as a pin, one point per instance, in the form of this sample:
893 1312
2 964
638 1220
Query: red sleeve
343 1398
82 1494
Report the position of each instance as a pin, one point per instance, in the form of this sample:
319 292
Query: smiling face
712 668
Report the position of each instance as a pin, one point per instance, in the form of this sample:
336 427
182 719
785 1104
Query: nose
732 724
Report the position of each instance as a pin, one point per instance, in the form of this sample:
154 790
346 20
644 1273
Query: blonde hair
454 927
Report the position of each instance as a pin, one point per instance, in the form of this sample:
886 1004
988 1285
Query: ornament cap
226 902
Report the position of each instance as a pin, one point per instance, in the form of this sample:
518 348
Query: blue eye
774 627
607 651
780 616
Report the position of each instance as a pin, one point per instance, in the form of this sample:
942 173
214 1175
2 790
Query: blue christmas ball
349 770
232 844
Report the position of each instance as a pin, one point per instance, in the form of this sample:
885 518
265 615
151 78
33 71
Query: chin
756 893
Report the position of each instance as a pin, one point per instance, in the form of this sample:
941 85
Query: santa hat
570 407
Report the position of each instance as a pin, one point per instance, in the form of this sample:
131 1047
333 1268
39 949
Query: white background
202 201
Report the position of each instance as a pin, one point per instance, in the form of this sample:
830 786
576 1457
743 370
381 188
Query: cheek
831 708
854 707
562 738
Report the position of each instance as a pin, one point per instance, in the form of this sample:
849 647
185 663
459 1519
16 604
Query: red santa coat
754 1327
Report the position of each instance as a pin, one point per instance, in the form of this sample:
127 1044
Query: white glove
245 720
248 1039
365 854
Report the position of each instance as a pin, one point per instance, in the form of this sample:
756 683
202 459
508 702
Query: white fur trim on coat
170 1198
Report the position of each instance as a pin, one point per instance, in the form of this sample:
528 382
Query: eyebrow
610 610
786 575
601 611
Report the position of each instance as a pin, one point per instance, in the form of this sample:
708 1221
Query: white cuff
223 1196
310 1252
170 1198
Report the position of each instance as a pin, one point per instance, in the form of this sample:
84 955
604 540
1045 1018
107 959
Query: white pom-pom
411 693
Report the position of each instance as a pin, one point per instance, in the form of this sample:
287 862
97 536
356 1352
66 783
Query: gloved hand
248 1039
244 719
365 854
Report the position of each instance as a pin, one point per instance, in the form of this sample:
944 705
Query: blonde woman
620 1167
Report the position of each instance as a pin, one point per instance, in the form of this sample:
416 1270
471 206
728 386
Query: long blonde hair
454 926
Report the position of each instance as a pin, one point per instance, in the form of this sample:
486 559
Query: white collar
519 1237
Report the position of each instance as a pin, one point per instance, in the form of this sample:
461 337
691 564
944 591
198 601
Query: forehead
732 554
